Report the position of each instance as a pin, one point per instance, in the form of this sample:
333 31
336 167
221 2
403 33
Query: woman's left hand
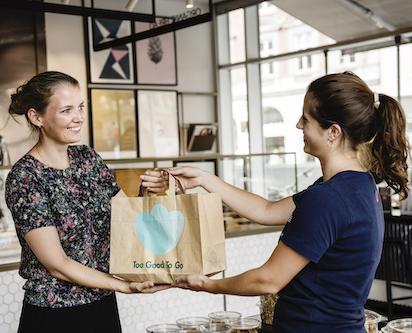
150 289
155 181
195 282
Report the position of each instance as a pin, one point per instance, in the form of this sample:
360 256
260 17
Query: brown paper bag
157 238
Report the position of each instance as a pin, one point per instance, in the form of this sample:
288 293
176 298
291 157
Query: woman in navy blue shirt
327 255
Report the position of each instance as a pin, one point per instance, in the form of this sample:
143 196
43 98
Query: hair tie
376 102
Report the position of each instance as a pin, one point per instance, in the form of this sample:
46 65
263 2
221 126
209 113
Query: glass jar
401 325
245 325
372 319
219 328
224 316
163 328
193 324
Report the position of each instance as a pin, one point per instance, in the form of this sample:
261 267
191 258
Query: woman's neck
53 155
338 163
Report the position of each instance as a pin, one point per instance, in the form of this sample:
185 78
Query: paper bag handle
172 185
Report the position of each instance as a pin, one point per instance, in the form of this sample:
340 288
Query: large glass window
237 36
281 33
282 101
376 67
240 111
283 84
406 86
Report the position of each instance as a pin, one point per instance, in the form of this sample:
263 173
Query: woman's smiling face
64 116
315 137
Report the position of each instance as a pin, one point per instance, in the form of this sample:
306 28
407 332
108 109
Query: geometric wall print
113 65
156 58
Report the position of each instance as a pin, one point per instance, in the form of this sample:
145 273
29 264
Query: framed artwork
114 123
155 58
158 124
113 65
201 137
9 244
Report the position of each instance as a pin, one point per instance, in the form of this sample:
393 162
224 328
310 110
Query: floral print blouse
76 201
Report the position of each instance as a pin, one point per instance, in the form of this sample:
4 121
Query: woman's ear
334 132
34 117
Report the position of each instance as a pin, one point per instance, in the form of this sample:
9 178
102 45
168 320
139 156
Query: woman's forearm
249 205
74 272
250 283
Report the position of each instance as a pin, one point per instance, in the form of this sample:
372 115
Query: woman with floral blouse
59 195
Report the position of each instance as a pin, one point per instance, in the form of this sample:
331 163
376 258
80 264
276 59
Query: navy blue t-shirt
338 225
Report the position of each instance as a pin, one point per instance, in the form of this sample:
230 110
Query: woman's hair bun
17 104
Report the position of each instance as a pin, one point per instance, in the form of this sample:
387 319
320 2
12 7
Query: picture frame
158 123
201 138
113 65
156 62
113 121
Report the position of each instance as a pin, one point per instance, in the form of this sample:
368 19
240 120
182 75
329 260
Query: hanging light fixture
189 4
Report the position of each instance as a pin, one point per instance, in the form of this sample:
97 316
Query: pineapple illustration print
155 51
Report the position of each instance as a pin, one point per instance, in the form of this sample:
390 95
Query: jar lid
220 328
245 323
193 322
401 325
372 317
163 328
225 316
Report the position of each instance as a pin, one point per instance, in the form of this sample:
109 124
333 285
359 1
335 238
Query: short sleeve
28 201
106 175
297 196
318 218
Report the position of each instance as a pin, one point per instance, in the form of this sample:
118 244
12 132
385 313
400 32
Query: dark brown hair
36 93
379 123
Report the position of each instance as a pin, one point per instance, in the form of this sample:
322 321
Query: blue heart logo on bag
160 230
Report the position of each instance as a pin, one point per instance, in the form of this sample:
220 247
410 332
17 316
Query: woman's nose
299 123
79 116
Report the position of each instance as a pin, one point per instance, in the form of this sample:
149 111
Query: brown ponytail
375 125
390 148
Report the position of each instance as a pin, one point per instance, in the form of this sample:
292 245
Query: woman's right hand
189 177
147 287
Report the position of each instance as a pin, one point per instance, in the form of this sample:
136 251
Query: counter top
239 226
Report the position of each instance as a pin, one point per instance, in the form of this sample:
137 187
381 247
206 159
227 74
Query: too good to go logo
160 230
